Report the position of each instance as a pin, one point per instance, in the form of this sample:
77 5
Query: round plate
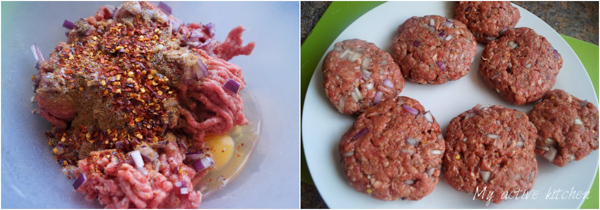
323 126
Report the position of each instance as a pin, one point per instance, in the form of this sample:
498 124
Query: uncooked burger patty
487 19
521 65
359 75
433 49
490 148
567 127
393 151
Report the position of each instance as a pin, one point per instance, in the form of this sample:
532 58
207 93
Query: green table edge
341 14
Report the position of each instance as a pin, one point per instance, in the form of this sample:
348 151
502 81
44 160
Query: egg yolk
221 147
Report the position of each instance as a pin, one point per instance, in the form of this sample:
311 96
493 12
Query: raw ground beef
134 79
488 20
393 151
567 127
490 149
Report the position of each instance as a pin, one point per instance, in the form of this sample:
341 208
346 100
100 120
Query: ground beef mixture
489 152
134 79
567 127
521 66
358 75
433 49
488 20
393 151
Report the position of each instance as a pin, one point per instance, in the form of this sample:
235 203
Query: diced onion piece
520 143
412 141
37 53
416 44
448 37
550 142
377 97
430 171
550 154
79 181
365 63
431 29
464 139
232 86
137 158
338 48
555 54
409 182
448 24
493 136
165 8
178 184
369 86
469 115
358 94
354 57
531 175
353 94
485 175
183 190
583 103
200 70
528 65
431 21
349 154
512 45
436 152
428 116
68 25
388 83
344 53
442 34
490 38
194 155
571 158
410 109
578 122
211 28
366 74
360 133
441 65
203 163
407 151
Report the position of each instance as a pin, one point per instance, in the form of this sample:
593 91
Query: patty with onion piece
487 20
433 49
567 127
521 66
357 75
393 151
489 151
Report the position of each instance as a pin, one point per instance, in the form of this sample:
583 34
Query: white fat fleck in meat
349 154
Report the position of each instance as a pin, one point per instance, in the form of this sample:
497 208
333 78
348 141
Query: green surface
340 15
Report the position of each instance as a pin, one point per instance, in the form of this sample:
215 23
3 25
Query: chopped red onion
550 154
428 116
485 175
431 21
431 29
355 56
183 190
182 145
490 38
344 53
202 69
338 48
165 8
528 65
464 139
203 163
369 86
583 103
68 25
430 171
578 122
409 182
493 136
354 97
178 184
412 141
388 83
441 65
520 143
232 86
436 152
358 94
211 29
468 9
377 97
365 63
555 54
79 181
407 151
503 30
349 154
37 53
550 142
137 159
448 37
512 45
410 109
194 155
360 133
448 24
531 175
366 74
442 34
416 44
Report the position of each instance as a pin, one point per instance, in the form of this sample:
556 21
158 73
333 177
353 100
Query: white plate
31 178
323 126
